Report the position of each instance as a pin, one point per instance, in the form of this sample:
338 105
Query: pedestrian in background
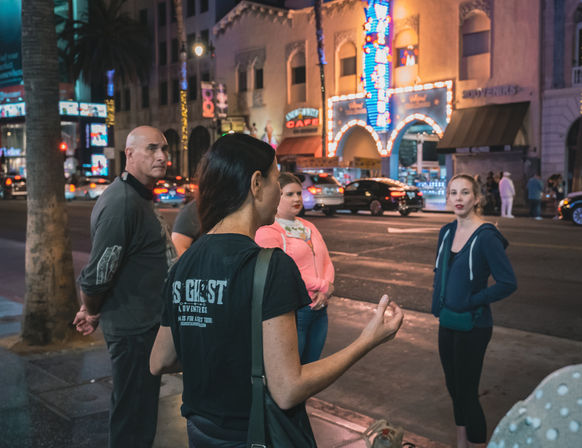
186 227
535 192
301 240
469 251
492 192
557 189
206 323
506 192
122 284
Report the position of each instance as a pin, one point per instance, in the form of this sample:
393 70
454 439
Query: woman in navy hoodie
469 251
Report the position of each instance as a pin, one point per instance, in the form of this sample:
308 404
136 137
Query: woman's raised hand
385 324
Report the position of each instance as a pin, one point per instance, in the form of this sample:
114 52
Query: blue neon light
378 63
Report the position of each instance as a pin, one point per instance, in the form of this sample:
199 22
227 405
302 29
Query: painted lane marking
412 230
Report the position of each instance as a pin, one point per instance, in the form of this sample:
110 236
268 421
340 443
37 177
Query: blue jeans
311 332
535 208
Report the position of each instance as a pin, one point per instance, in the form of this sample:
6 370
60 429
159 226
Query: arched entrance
173 152
414 159
198 144
574 157
359 147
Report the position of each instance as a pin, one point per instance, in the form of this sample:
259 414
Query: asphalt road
394 254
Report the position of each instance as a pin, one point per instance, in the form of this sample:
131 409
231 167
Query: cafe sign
302 118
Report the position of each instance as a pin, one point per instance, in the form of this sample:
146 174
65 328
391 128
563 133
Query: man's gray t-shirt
187 222
129 258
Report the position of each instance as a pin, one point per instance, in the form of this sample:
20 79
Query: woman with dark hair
207 302
301 240
469 251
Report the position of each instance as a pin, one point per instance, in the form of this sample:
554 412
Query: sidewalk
60 399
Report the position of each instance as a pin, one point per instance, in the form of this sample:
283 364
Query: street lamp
198 49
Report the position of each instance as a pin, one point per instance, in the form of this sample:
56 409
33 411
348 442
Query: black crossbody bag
269 425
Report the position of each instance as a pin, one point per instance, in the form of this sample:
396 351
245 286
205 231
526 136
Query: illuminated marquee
378 63
302 117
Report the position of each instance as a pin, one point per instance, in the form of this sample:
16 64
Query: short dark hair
288 178
225 175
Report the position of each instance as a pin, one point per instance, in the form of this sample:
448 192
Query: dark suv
380 194
13 186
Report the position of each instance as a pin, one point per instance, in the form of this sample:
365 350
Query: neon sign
303 117
378 63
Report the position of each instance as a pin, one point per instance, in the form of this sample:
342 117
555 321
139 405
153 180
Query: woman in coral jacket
303 242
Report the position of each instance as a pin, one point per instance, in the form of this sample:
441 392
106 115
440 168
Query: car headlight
563 202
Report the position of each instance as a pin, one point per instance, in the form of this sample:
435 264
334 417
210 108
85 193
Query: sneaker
510 216
538 218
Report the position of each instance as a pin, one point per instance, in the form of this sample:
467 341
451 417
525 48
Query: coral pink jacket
315 265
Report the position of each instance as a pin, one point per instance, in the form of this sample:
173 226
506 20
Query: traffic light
63 147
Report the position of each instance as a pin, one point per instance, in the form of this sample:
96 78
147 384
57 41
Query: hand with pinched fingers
84 322
384 324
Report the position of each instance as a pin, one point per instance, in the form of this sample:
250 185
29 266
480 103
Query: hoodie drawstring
441 248
471 259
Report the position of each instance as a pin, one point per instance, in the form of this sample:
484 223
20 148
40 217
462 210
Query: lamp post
184 109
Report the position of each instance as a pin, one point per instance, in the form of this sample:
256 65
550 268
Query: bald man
121 286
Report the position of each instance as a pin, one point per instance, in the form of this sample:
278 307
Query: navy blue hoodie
466 278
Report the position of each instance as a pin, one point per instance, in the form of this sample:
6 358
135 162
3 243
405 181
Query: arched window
346 69
297 78
406 54
475 47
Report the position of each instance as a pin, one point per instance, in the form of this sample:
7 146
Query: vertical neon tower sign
378 63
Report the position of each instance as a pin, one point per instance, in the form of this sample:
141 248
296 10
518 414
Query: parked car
86 188
321 191
174 191
382 194
570 208
13 186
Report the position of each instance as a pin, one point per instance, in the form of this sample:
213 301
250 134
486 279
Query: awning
300 146
494 125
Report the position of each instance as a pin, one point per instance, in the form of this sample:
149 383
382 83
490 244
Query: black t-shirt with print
207 304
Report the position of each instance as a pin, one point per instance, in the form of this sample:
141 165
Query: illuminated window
407 56
475 46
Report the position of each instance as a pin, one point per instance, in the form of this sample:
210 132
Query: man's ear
257 184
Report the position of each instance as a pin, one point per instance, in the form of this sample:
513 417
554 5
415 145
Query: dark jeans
203 433
462 354
133 415
311 333
535 208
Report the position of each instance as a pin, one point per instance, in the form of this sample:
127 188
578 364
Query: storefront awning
300 146
494 125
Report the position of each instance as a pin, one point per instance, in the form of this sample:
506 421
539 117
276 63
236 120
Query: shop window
163 93
258 78
242 80
348 69
175 91
145 97
406 53
126 99
192 88
297 78
174 50
203 5
163 53
162 14
191 8
475 47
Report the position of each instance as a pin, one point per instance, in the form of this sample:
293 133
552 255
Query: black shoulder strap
256 432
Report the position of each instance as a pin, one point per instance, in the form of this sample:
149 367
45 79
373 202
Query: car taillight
192 187
17 177
341 190
8 182
314 190
92 185
71 188
419 193
397 194
160 190
181 190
